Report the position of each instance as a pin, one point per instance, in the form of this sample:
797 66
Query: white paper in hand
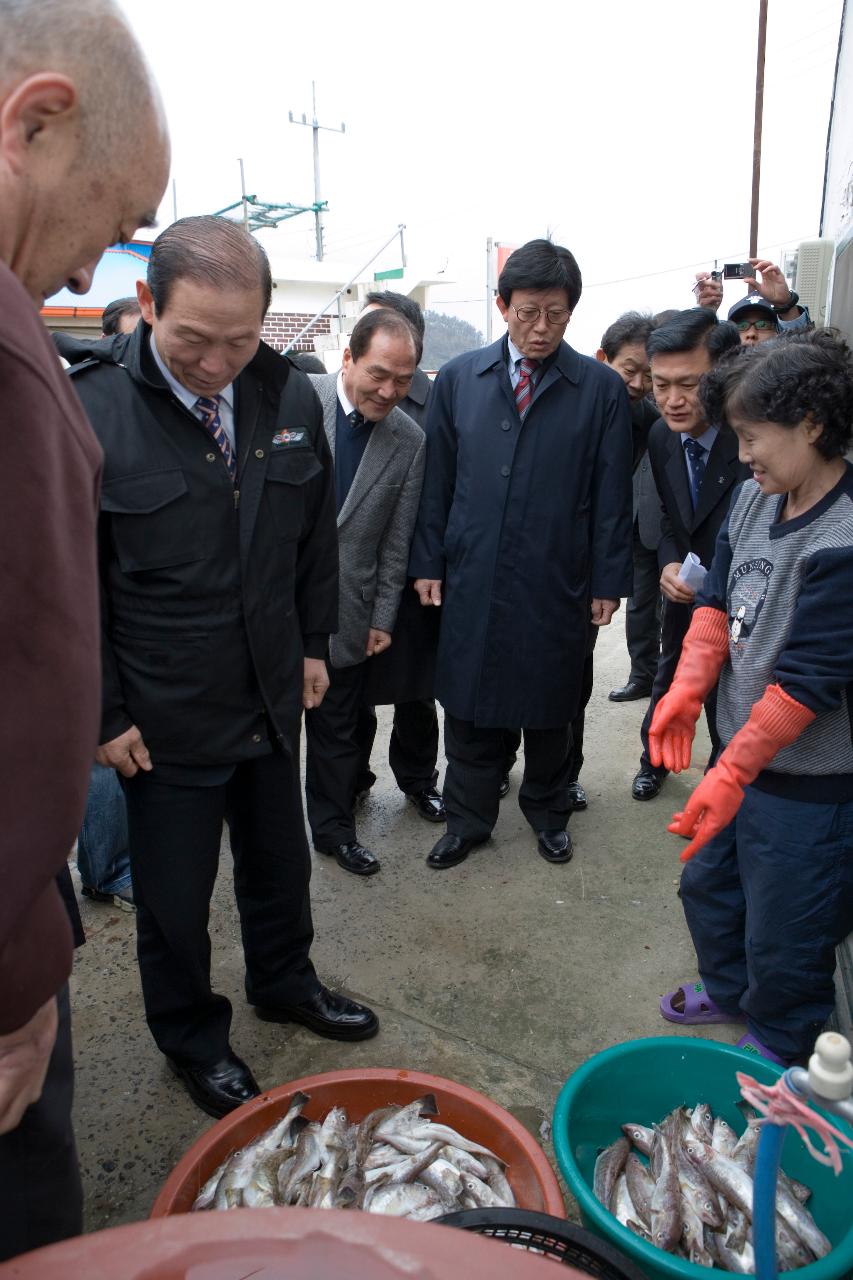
692 572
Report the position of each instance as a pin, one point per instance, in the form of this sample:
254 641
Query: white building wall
838 192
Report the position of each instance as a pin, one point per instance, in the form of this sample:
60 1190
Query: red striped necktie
524 387
208 406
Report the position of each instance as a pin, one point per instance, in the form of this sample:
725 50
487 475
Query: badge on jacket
282 439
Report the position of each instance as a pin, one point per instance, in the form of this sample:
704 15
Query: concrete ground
505 973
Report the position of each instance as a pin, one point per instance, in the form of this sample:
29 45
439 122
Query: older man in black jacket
219 583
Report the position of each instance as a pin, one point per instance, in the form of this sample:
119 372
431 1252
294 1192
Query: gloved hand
673 727
775 721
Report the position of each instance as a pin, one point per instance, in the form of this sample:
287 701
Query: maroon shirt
50 465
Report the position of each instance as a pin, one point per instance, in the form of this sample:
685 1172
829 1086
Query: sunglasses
759 325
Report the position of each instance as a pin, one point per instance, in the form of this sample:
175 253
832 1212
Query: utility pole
316 127
243 199
489 274
759 112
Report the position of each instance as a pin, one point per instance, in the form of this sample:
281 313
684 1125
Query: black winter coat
211 592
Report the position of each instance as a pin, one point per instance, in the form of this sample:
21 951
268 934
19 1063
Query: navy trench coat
525 522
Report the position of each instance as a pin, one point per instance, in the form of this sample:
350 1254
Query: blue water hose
767 1160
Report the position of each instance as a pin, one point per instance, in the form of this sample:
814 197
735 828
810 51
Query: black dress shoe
450 850
220 1088
646 785
327 1013
555 846
631 692
577 796
429 804
353 857
503 789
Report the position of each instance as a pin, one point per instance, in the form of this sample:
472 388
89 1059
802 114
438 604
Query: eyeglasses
759 325
554 315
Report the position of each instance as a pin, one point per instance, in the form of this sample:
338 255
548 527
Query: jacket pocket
288 474
151 520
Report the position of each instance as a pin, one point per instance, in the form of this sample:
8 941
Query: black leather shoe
577 796
327 1013
503 789
631 692
450 850
429 804
646 785
353 857
555 846
220 1088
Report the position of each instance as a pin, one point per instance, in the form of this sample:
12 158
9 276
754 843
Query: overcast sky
623 131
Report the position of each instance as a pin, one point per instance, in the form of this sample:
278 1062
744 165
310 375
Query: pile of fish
694 1196
397 1161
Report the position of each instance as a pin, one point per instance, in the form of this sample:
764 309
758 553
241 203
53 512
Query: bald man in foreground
83 163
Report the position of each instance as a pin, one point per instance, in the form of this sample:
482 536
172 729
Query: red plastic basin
530 1175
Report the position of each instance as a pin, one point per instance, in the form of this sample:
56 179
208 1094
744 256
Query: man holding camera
770 307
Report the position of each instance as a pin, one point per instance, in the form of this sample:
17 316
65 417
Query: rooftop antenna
315 126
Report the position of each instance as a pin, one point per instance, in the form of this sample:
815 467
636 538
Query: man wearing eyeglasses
523 538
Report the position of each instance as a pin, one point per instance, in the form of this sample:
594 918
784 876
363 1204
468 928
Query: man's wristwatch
792 302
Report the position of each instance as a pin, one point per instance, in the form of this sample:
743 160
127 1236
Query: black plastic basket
553 1237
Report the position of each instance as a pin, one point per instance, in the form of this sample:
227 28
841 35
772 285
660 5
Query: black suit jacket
682 528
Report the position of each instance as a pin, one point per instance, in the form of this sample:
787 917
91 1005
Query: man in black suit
623 347
695 468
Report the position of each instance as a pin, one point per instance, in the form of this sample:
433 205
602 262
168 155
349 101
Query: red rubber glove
673 727
775 721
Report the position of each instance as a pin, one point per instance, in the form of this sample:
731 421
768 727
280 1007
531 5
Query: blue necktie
696 459
208 406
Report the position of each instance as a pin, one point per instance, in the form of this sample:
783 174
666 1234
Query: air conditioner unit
814 262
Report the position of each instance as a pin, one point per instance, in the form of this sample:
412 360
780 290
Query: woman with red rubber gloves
769 894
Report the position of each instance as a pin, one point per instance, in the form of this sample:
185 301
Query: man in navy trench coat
526 520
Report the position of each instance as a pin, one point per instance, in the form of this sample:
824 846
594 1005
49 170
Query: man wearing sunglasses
758 320
770 308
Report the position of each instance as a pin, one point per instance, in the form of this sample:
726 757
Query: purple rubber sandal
699 1009
750 1044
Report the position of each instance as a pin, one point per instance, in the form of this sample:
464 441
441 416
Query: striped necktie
208 407
524 386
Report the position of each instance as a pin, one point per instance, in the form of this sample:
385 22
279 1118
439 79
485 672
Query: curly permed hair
795 376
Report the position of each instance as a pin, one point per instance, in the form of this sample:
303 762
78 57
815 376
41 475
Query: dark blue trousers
767 902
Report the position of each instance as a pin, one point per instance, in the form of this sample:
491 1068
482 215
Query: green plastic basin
641 1081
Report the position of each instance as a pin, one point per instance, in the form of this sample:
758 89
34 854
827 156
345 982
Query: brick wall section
281 326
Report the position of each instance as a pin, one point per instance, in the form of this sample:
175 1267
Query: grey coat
647 512
375 525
